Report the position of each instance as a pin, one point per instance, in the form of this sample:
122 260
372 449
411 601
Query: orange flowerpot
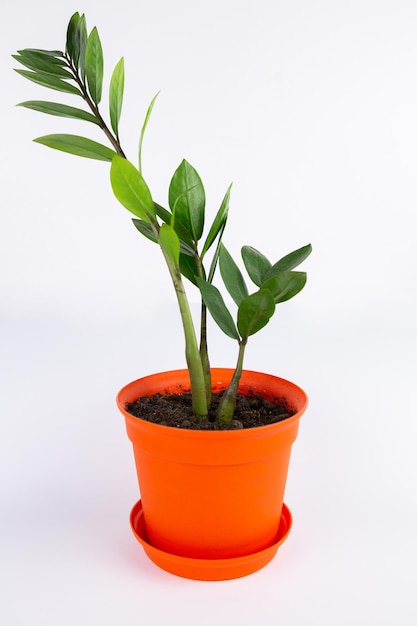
212 501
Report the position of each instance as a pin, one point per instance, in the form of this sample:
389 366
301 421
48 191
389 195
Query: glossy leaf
256 264
214 302
187 199
117 83
82 35
188 268
145 229
232 276
254 312
47 80
73 38
170 243
60 110
80 146
130 189
145 124
94 66
218 222
215 259
54 56
43 64
290 261
285 285
185 248
163 213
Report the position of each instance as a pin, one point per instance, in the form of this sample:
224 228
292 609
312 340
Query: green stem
192 354
195 367
228 402
204 356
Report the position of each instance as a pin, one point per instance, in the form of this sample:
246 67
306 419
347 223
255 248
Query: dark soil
176 411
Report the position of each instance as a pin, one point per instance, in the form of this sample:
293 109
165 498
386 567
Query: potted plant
211 445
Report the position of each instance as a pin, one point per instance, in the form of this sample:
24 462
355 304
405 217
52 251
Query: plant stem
195 367
228 401
192 354
204 356
205 362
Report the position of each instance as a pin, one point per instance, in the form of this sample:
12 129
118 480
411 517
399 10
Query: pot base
208 569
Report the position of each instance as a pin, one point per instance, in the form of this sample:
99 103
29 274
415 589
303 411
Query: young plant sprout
178 230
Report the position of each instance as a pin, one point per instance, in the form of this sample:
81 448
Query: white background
310 108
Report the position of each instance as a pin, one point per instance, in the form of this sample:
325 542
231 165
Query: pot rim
219 434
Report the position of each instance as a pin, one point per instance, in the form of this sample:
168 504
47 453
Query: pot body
212 494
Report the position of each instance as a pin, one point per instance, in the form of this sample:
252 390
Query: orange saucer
208 569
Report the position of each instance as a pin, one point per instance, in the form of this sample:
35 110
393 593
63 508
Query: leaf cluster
185 219
276 283
77 71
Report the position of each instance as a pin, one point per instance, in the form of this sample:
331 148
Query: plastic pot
211 503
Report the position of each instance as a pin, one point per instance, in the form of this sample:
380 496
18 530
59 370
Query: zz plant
178 230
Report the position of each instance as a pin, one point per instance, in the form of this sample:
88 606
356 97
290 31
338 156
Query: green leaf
187 199
130 189
47 80
73 38
94 65
60 110
82 35
53 56
145 124
44 64
257 265
170 243
232 277
117 84
285 285
214 302
145 229
218 222
188 268
290 261
254 312
163 213
80 146
215 259
76 41
185 248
